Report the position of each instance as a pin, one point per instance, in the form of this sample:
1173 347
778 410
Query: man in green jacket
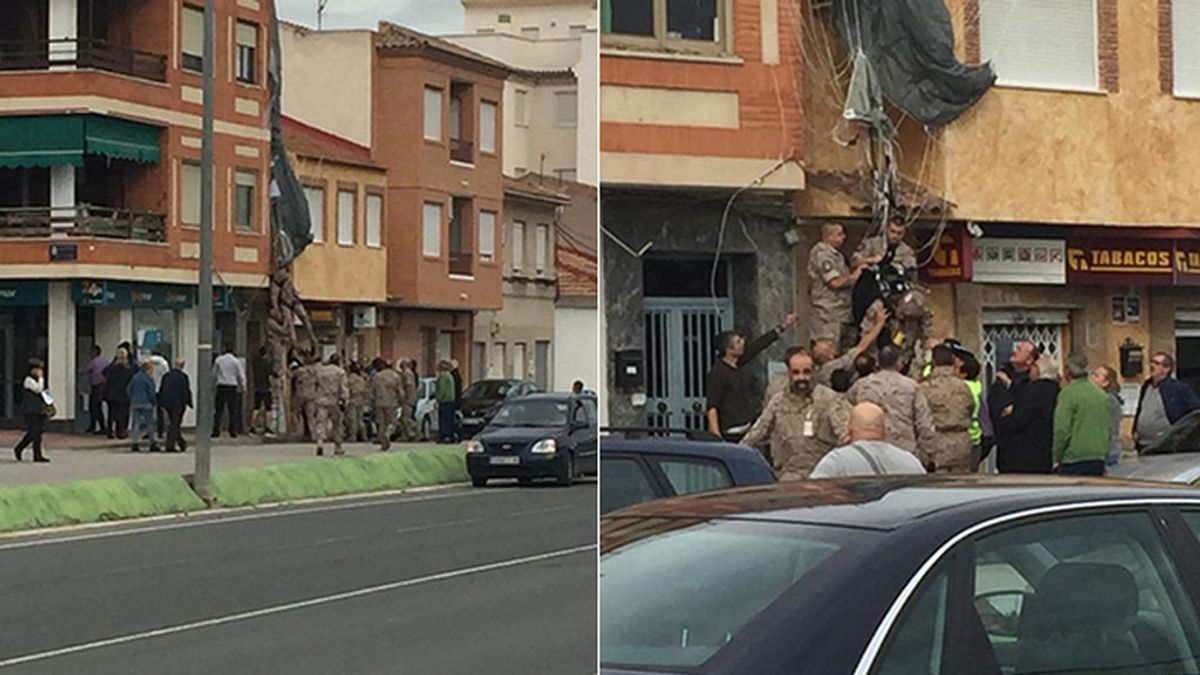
1082 427
443 391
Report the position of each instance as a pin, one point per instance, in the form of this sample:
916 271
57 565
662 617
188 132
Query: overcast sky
427 16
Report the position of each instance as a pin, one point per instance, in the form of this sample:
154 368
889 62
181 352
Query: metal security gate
1001 332
679 353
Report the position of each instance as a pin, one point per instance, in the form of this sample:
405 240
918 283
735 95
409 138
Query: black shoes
41 458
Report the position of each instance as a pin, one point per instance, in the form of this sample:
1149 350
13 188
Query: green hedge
327 477
90 501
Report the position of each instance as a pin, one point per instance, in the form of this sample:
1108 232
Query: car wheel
425 428
566 475
479 482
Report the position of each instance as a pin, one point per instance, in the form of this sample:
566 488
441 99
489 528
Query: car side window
625 483
917 644
589 409
688 474
1084 593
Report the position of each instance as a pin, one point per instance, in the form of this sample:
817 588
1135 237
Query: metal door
679 353
8 384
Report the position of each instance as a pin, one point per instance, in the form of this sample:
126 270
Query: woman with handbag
35 406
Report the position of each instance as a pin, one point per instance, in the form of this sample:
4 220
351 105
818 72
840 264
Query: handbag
48 408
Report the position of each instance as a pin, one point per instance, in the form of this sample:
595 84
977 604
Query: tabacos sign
1120 261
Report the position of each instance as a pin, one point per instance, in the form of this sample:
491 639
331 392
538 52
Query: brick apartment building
100 181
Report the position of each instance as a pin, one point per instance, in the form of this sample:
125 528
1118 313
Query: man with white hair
1082 427
867 454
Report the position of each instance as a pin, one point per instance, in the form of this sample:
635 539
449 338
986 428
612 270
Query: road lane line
291 606
434 526
216 518
533 512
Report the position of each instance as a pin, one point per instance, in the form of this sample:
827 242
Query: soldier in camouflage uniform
387 394
830 281
304 394
873 249
953 407
356 405
909 420
801 424
409 430
332 394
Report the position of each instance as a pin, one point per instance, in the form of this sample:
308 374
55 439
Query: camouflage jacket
909 420
387 389
800 429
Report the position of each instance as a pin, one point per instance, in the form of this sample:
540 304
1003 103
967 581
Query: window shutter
1041 43
1185 32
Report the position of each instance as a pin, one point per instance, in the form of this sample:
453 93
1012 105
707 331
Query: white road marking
532 512
434 526
304 604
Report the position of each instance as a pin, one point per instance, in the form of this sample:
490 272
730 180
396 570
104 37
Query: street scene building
1042 207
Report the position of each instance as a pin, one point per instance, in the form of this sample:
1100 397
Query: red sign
1121 261
952 258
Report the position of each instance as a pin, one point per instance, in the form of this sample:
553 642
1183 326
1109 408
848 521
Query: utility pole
205 400
321 12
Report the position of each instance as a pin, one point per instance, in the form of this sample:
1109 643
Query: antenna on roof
321 12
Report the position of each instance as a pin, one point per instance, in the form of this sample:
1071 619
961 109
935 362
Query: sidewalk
80 457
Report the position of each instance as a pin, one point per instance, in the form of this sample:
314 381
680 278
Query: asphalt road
500 580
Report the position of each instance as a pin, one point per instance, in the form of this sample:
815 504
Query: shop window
245 210
1041 44
193 39
247 52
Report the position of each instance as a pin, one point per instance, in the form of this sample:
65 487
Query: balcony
462 151
83 221
82 53
460 264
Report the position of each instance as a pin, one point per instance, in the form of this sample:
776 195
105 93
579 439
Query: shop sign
1187 262
122 294
323 315
1019 261
952 258
24 293
222 298
1121 261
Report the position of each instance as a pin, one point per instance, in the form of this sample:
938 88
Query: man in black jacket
175 396
1162 402
731 404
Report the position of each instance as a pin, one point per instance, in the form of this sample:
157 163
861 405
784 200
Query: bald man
830 282
867 454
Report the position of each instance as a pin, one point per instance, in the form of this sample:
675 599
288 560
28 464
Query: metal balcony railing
82 53
460 263
462 151
82 221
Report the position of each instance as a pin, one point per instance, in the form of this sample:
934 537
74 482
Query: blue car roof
747 465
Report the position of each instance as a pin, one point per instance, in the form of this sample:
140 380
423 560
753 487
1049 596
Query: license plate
473 421
506 460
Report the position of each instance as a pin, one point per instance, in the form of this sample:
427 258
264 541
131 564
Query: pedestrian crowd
145 402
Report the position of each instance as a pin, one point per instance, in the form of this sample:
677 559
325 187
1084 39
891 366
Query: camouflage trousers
327 424
354 421
951 452
409 430
385 423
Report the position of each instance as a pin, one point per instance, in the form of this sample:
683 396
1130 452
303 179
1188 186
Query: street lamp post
205 400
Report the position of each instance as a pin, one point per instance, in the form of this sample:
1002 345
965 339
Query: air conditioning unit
364 317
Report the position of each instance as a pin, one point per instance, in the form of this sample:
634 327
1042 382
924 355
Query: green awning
58 140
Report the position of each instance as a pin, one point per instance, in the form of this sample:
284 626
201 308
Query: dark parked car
639 465
903 576
1174 459
537 436
483 399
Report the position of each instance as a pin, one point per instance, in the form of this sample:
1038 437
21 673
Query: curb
330 477
25 507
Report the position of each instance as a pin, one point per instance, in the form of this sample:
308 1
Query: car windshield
1184 436
532 413
488 389
672 600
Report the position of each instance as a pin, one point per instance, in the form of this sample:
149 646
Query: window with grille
998 341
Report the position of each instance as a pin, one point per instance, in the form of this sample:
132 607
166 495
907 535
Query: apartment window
487 127
247 52
520 107
531 32
346 203
374 220
189 203
542 250
433 114
1041 44
462 147
193 38
485 31
519 364
516 247
487 235
504 18
245 203
498 367
461 247
1185 41
566 106
695 25
431 235
315 196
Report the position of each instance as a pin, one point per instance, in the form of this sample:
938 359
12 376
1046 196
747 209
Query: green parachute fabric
290 221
